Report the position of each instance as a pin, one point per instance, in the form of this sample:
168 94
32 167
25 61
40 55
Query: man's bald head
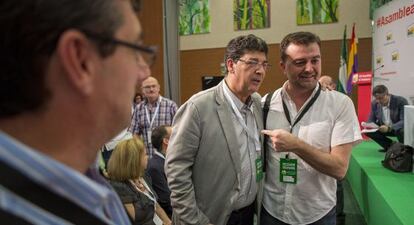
327 82
151 89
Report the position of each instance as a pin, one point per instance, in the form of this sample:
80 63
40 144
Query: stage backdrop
393 47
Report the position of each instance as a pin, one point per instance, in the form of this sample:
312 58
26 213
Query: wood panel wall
151 18
206 62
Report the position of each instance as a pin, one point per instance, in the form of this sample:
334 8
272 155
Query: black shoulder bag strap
266 108
44 198
265 112
304 111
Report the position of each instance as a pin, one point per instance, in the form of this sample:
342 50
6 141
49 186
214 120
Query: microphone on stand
379 67
378 78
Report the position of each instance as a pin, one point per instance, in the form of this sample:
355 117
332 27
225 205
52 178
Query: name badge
149 134
259 169
288 170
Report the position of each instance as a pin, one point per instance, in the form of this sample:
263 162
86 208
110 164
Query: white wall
396 74
283 21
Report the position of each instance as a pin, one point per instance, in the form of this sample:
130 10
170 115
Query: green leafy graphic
316 11
194 17
251 14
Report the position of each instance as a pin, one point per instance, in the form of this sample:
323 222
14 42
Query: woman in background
126 173
137 99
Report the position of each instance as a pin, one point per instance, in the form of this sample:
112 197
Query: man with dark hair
214 163
160 138
59 59
312 132
387 111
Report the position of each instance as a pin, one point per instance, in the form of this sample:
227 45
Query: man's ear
165 141
77 57
282 66
230 65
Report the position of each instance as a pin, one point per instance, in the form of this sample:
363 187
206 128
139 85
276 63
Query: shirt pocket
317 134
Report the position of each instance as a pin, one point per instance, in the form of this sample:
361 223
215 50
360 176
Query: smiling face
247 74
302 66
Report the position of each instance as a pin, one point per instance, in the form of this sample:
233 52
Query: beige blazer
203 160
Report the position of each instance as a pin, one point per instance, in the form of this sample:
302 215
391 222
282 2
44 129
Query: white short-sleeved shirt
331 121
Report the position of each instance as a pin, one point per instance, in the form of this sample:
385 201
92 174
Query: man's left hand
282 141
384 129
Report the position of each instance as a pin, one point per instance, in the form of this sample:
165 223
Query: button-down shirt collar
247 185
291 105
239 104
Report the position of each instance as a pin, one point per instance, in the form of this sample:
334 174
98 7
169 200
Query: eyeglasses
145 53
149 87
255 64
381 97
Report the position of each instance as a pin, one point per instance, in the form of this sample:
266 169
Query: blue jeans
267 219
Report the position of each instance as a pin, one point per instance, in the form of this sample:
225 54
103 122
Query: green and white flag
343 75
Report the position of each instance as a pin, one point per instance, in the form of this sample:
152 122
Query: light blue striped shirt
89 191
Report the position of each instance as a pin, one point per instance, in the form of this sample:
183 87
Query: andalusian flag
352 61
343 75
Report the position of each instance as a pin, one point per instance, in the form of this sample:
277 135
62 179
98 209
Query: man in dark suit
159 139
387 111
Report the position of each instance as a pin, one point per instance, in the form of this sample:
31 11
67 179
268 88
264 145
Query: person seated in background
387 111
126 173
159 138
327 82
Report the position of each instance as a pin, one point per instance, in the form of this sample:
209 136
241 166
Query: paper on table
366 130
369 125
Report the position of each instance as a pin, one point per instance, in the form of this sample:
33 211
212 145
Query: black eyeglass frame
265 65
150 49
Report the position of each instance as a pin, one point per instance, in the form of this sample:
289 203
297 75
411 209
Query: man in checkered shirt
154 111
